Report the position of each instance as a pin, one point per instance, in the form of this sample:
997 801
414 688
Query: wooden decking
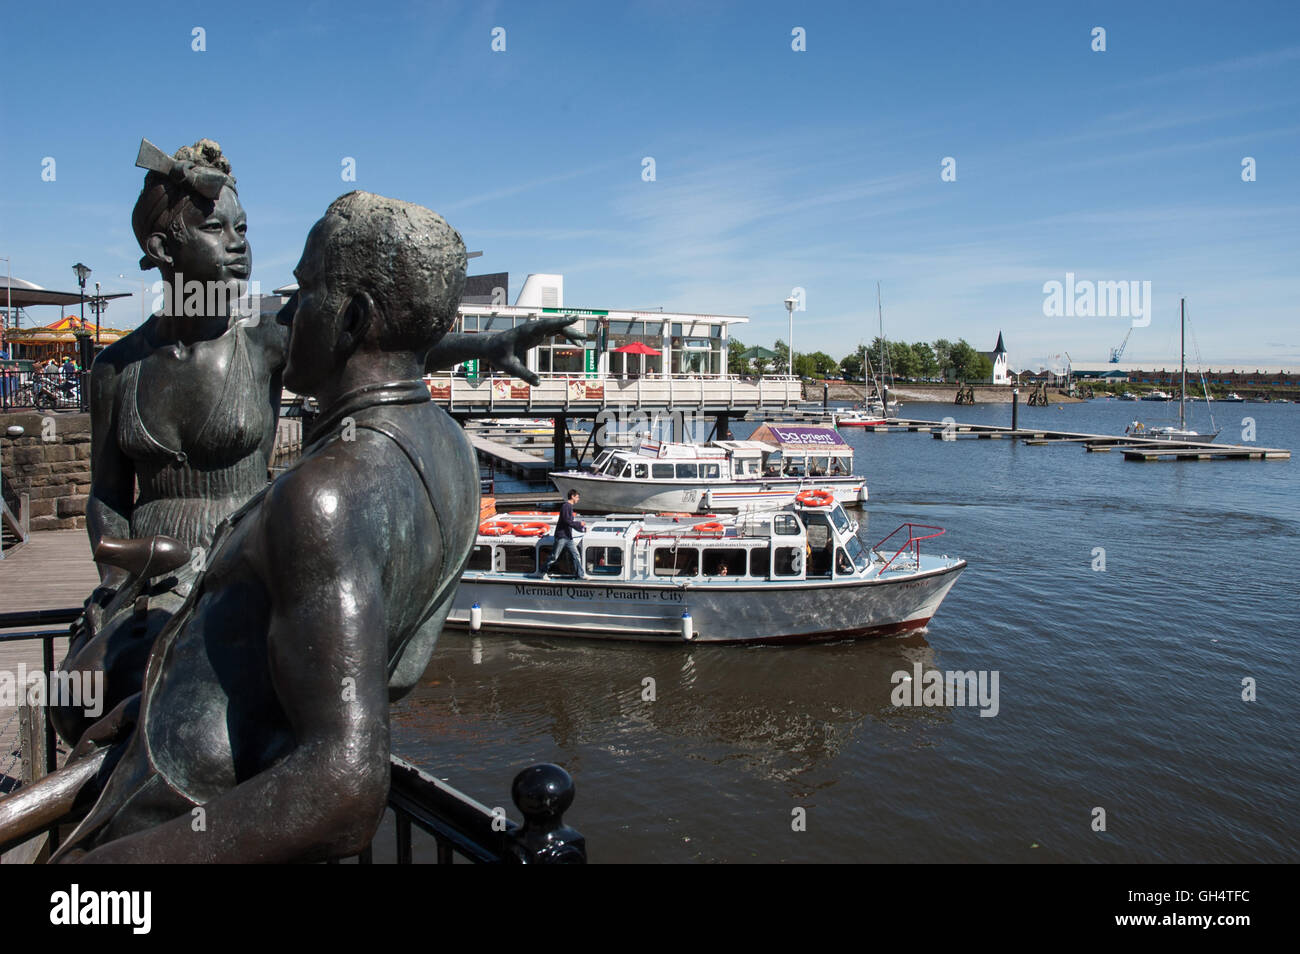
52 570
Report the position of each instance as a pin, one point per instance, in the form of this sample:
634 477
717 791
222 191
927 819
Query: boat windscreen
840 519
856 552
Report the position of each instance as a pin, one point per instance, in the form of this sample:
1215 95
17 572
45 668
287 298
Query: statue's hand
508 350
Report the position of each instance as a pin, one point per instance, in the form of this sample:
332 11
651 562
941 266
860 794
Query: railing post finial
543 793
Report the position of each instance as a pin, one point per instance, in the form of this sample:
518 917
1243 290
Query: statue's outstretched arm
505 350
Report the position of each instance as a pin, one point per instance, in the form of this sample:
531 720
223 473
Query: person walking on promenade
564 528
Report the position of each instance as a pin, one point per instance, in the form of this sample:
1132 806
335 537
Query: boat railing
459 824
913 543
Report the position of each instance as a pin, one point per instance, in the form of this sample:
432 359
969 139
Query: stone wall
54 473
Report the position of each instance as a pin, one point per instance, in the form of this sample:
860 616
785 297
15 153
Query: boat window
818 466
788 561
601 459
843 565
663 471
614 466
603 561
519 559
710 471
691 471
676 561
772 466
746 467
794 466
821 545
627 470
719 562
641 471
480 558
857 552
841 466
840 519
785 524
759 562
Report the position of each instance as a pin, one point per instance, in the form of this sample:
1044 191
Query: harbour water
1119 688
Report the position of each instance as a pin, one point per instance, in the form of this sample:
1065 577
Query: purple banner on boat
809 437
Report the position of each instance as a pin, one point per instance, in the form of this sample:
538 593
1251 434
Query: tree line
920 361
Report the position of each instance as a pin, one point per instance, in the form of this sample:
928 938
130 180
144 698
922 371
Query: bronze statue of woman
184 412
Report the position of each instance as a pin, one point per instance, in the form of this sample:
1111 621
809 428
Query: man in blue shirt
564 528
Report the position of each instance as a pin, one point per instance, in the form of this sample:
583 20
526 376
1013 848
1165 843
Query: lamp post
82 274
98 307
789 307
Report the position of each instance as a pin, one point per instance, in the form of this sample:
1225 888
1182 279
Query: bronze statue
262 727
185 409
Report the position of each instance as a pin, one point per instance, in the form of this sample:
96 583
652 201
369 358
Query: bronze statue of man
265 699
184 415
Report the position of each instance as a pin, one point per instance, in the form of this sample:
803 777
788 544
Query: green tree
943 357
780 363
968 365
852 365
824 364
927 365
902 360
735 363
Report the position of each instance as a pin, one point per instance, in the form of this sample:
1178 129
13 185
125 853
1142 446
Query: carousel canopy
25 294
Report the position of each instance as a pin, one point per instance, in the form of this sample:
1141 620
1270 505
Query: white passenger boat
1157 396
795 574
770 469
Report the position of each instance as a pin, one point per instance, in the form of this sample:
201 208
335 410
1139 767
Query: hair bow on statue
204 180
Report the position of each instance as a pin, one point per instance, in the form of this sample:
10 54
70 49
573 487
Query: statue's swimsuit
186 491
154 780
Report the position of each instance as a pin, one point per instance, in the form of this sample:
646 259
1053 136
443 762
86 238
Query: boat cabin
773 451
799 542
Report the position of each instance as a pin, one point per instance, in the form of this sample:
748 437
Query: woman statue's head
188 219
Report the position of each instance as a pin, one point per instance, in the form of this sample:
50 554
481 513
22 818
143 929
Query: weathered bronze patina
264 709
184 413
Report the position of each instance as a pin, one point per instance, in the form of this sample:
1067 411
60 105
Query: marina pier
1132 447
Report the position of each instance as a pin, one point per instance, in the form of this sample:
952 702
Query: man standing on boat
564 528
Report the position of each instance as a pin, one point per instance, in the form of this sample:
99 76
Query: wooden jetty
511 459
1133 447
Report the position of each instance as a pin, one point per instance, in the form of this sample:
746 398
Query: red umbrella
637 347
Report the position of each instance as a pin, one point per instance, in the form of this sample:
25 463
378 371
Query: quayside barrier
459 824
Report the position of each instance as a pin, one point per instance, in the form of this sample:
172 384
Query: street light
789 306
82 274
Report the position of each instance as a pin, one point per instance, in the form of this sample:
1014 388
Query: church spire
1001 348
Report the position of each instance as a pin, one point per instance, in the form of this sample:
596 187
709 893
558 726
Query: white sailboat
1182 432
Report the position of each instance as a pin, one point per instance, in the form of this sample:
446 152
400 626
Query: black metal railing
459 824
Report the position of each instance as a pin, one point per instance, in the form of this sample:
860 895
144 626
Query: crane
1117 353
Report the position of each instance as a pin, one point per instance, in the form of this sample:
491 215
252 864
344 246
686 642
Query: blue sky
774 168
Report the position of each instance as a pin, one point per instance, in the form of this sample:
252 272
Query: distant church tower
1001 373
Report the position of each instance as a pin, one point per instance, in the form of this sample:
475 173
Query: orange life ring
815 498
534 529
712 526
496 528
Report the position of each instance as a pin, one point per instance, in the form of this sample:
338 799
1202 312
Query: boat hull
619 495
721 612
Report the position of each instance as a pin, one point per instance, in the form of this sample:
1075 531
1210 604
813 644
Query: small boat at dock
769 469
789 575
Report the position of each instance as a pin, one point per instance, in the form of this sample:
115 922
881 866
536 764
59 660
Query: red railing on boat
913 542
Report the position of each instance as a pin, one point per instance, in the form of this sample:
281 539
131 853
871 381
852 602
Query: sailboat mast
1182 348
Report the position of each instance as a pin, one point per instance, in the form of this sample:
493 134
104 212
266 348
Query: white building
1001 369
